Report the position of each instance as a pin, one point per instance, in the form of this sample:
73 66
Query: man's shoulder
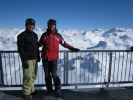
59 35
21 34
44 34
35 34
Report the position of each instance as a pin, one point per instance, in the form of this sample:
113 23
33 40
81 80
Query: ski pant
50 69
29 76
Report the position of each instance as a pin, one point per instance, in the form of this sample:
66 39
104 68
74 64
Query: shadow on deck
82 94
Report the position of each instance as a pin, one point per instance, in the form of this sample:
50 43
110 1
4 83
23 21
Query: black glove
38 59
131 48
38 56
25 64
75 49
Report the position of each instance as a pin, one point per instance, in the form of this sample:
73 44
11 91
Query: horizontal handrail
97 67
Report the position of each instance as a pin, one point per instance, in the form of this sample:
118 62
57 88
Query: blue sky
77 14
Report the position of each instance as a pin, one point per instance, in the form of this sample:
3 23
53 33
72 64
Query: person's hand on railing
131 48
75 49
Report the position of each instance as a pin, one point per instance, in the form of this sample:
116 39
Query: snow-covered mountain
84 67
114 38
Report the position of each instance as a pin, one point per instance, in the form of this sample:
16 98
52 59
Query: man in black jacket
28 48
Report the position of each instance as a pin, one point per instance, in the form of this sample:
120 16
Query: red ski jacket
50 42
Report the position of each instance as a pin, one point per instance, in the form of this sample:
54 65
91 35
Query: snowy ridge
114 38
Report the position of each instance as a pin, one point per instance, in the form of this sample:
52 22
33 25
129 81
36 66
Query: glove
25 65
75 49
131 48
38 56
38 59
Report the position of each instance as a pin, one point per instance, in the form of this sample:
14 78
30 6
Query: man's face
52 27
30 27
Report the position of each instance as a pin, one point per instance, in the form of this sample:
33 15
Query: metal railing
87 67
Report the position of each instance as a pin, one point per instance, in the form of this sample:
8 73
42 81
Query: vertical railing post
65 67
110 66
1 72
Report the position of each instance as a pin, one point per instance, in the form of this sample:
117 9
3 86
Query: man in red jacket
50 41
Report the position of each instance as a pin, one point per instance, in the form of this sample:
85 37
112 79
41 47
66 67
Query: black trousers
50 69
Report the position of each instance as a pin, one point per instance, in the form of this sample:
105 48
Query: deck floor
82 94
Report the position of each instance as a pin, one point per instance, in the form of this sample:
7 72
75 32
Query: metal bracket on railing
1 72
110 66
65 67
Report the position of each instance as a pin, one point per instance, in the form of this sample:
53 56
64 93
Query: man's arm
41 40
20 47
38 52
66 45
